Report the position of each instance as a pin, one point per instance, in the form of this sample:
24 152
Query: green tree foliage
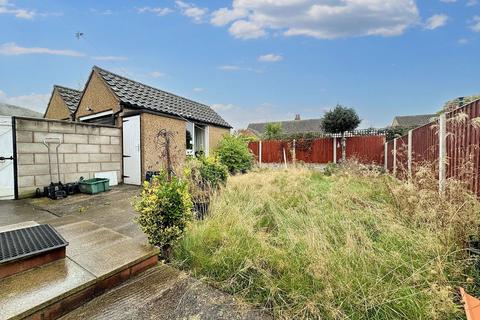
340 120
272 131
233 152
458 102
395 132
165 209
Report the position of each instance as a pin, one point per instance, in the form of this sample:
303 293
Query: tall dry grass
355 245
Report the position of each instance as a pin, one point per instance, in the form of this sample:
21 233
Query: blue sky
252 60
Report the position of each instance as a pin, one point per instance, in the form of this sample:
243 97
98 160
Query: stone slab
104 261
32 290
19 225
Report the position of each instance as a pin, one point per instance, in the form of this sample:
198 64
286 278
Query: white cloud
222 107
463 41
106 12
224 16
230 68
198 89
448 1
8 8
270 58
192 11
475 26
34 101
12 49
436 21
156 74
471 3
159 11
323 19
109 58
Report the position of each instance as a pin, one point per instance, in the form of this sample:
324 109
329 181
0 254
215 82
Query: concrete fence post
409 150
260 152
294 152
395 156
385 156
442 152
334 149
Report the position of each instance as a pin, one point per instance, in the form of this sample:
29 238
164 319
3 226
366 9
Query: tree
340 120
272 131
458 102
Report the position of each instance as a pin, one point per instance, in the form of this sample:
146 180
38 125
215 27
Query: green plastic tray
95 185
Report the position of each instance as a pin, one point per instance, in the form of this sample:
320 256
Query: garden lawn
353 245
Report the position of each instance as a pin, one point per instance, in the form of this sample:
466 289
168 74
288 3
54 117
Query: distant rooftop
10 110
290 127
412 121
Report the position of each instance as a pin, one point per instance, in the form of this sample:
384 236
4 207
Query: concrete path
164 293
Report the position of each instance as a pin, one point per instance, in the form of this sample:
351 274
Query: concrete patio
105 249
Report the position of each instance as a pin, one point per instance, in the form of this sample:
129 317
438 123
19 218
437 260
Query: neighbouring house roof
10 110
71 97
412 121
139 95
290 127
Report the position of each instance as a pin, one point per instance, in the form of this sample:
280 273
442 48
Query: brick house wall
98 97
215 135
57 109
86 150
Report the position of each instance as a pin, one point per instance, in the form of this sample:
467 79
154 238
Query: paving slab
103 262
32 290
19 225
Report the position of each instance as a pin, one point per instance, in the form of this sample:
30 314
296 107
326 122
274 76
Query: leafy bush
165 209
233 152
330 169
207 171
272 131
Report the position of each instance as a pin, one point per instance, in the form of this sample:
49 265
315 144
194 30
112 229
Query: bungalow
63 103
412 121
141 111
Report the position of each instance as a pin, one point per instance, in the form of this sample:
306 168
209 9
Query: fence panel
314 150
390 155
425 144
366 149
254 148
463 138
402 157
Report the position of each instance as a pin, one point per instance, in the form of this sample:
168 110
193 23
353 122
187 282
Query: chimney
297 116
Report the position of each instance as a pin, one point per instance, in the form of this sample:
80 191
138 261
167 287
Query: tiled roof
71 97
412 121
291 127
139 95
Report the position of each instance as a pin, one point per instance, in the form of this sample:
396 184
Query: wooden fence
450 144
366 149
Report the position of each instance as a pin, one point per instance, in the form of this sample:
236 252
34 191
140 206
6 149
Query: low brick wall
85 150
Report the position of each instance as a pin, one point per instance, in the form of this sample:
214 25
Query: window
196 142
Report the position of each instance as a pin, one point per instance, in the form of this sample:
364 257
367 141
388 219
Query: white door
131 150
7 189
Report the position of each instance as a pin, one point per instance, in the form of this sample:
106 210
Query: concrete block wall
85 150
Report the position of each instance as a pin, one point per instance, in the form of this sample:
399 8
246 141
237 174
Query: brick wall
215 136
86 149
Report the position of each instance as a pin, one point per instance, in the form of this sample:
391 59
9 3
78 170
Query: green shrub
330 169
233 152
165 209
213 172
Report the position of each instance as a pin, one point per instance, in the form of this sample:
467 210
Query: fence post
409 150
395 156
385 156
260 152
442 152
294 153
334 149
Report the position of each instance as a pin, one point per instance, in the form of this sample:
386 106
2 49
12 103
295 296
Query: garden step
164 293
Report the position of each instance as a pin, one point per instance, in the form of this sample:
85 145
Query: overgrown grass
356 245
